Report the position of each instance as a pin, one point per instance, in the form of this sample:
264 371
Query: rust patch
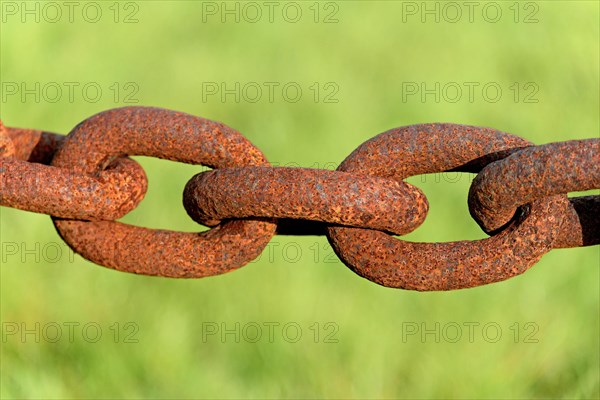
535 173
97 141
429 148
27 183
310 194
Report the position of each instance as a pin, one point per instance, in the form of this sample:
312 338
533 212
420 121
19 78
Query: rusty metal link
518 196
311 194
537 172
429 148
29 184
170 135
7 148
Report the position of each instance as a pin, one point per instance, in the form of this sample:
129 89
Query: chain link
86 181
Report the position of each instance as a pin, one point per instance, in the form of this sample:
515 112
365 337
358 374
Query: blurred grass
368 54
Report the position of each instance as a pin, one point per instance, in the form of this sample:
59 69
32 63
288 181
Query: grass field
362 68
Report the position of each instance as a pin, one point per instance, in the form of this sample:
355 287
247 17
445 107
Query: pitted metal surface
85 181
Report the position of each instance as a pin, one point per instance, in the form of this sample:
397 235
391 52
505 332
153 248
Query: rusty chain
86 181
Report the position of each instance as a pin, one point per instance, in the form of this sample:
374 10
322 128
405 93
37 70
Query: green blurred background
367 53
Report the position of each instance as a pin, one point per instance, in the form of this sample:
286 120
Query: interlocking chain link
86 181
